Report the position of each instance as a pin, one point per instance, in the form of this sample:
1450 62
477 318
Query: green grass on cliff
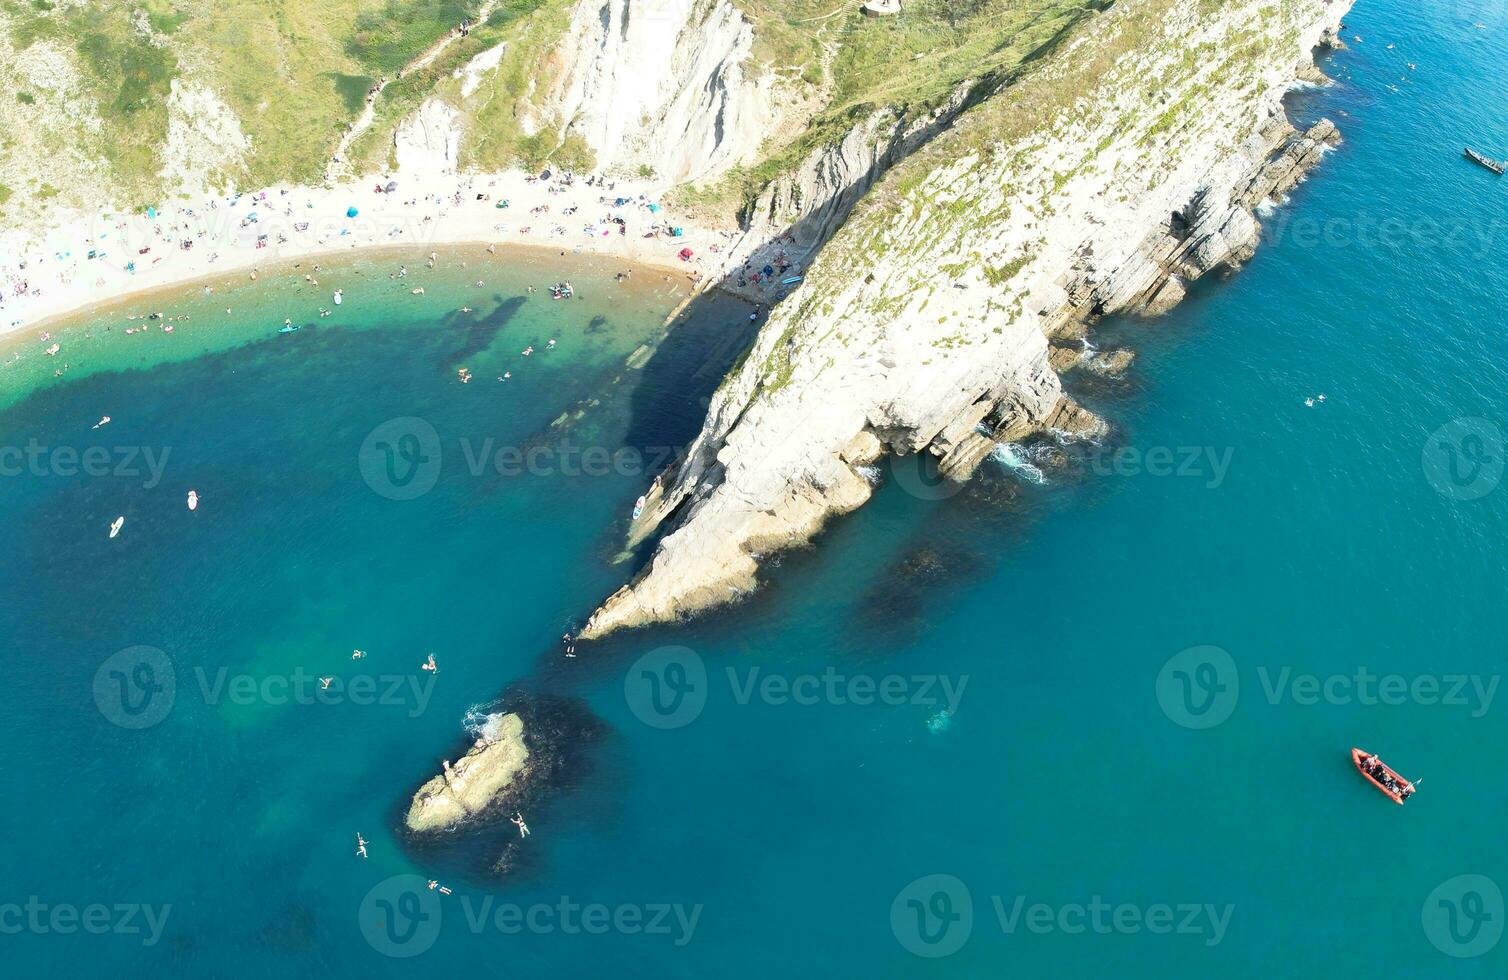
912 61
294 74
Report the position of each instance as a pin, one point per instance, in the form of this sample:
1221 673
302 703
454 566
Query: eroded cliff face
1127 165
663 84
802 209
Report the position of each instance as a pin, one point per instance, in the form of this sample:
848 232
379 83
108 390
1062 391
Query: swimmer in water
430 665
361 846
324 683
523 828
358 654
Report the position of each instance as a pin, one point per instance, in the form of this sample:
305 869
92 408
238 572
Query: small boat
116 525
1382 775
336 297
193 500
638 508
1493 165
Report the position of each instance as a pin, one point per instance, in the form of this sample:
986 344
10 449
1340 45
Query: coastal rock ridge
1119 168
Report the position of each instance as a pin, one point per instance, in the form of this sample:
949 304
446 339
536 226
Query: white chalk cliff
1125 165
664 84
429 140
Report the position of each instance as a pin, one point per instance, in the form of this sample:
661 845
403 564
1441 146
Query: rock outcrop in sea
522 751
478 783
1126 165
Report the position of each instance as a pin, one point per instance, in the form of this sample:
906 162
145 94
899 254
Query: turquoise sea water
809 804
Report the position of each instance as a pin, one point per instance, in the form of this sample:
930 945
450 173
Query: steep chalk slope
662 84
1125 165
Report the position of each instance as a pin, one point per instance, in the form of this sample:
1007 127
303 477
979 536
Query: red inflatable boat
1382 775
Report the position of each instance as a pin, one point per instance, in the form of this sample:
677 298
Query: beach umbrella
351 212
151 212
392 185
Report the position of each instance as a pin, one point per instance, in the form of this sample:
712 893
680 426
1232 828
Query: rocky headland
1128 164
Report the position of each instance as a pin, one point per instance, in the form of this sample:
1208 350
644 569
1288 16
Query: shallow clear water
804 830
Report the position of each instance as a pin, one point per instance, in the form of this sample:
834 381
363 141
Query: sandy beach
81 261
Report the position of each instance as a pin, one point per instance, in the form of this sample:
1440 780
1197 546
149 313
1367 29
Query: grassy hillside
85 89
913 61
98 98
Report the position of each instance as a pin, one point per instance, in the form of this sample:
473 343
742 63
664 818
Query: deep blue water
1204 799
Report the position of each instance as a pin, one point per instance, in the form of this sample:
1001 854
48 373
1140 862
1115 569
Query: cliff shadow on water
479 330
